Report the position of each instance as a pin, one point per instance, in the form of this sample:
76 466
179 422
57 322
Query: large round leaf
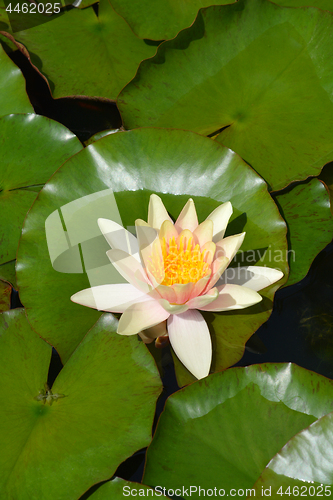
304 465
32 148
13 97
132 165
5 294
82 54
320 4
100 411
306 209
7 272
260 71
160 19
235 421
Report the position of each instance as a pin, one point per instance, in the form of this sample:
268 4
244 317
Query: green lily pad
13 98
118 488
319 4
7 272
303 466
235 421
60 446
306 209
161 19
5 293
81 54
326 176
99 135
32 148
264 78
120 172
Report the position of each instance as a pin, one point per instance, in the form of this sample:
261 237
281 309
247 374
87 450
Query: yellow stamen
182 263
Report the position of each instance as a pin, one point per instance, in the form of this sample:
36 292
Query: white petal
173 308
190 339
204 232
229 246
254 277
110 298
220 217
157 213
233 297
119 238
130 269
149 244
141 316
187 218
203 300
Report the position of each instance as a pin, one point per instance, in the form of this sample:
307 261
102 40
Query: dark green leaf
100 410
235 422
32 148
260 72
306 209
82 54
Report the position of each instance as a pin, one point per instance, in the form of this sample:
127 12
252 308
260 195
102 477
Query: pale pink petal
233 297
218 268
168 231
183 238
228 247
111 298
183 292
204 232
119 238
187 218
190 339
209 248
173 308
157 212
220 217
200 285
254 277
141 316
203 300
129 268
166 292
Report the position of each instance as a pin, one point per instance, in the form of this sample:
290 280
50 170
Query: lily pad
5 293
264 78
60 446
82 54
161 19
250 413
306 209
326 176
118 488
303 465
319 4
7 272
27 164
13 98
120 172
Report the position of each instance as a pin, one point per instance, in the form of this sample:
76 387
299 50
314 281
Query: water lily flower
173 270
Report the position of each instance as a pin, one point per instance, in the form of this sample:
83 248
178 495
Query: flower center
182 264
